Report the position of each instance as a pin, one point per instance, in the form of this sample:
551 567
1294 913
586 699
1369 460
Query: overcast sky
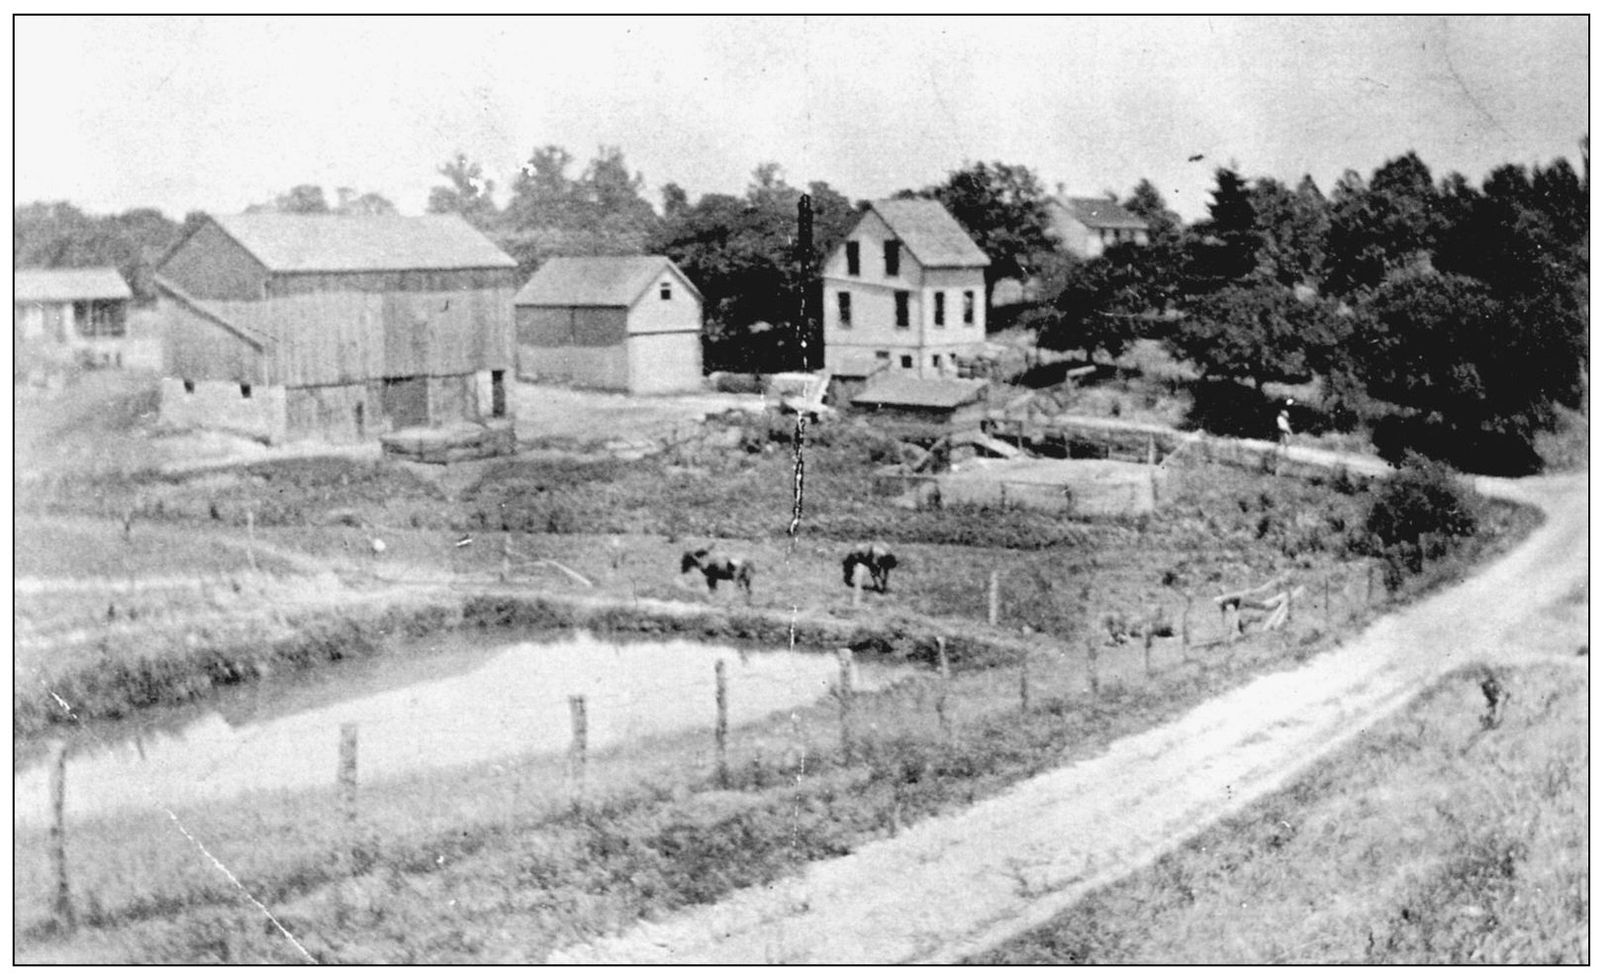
218 113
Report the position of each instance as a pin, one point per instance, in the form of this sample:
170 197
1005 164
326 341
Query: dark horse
718 567
876 558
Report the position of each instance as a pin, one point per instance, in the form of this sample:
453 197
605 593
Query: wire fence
762 732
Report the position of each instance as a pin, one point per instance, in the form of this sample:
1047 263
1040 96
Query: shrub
1420 504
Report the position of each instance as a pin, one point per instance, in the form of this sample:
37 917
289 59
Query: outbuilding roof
912 392
1102 212
607 280
68 284
368 243
930 232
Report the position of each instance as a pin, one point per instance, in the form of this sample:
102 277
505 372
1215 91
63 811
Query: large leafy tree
1375 229
469 193
1252 331
1293 227
741 253
551 212
1004 209
1148 202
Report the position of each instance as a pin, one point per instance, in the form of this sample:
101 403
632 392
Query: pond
466 698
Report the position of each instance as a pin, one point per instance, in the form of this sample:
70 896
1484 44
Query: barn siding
543 326
211 265
599 367
332 336
220 405
196 348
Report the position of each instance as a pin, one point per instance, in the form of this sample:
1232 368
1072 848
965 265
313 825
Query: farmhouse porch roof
351 243
936 239
605 280
68 285
913 392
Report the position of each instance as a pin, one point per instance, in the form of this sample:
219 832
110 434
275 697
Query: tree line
1456 309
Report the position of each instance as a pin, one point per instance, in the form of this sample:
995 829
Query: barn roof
912 392
68 284
371 243
1101 212
607 280
929 231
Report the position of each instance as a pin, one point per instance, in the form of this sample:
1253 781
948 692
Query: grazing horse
718 567
876 558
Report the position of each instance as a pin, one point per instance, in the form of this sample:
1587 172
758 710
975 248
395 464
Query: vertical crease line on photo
237 883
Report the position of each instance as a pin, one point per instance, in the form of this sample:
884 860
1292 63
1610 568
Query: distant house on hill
71 314
1087 226
906 290
626 323
948 403
341 328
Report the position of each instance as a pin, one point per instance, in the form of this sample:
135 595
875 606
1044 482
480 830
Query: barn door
404 401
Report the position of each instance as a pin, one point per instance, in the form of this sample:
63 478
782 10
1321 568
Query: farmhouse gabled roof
1102 212
371 243
67 284
913 392
930 232
607 280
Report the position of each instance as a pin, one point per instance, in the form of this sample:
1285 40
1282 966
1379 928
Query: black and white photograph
801 489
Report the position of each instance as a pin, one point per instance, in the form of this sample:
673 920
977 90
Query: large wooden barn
339 328
627 323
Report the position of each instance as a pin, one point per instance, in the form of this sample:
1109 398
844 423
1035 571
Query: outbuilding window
667 291
246 391
190 386
938 305
906 361
892 258
970 307
844 309
853 259
900 310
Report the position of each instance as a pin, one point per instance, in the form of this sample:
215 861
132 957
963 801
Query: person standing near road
1284 423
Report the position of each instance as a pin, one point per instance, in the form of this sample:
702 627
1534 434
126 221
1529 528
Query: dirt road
963 883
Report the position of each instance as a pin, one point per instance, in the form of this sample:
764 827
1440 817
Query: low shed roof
604 280
913 392
1102 212
68 284
370 243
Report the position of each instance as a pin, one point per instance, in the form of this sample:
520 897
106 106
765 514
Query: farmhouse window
497 380
853 259
938 304
844 309
190 386
906 361
882 355
901 310
667 292
970 307
937 361
892 258
246 391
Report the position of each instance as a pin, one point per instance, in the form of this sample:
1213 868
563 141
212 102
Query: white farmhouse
905 291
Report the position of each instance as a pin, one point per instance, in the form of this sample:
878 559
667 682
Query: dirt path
963 883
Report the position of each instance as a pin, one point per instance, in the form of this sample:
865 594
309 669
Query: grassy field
1434 839
1093 608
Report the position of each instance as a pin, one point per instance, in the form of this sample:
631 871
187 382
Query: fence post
844 701
62 903
578 755
1067 490
1150 639
505 558
993 598
252 543
348 771
1093 655
1369 584
721 728
1150 451
1184 623
1026 692
942 690
858 585
1326 586
1004 495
